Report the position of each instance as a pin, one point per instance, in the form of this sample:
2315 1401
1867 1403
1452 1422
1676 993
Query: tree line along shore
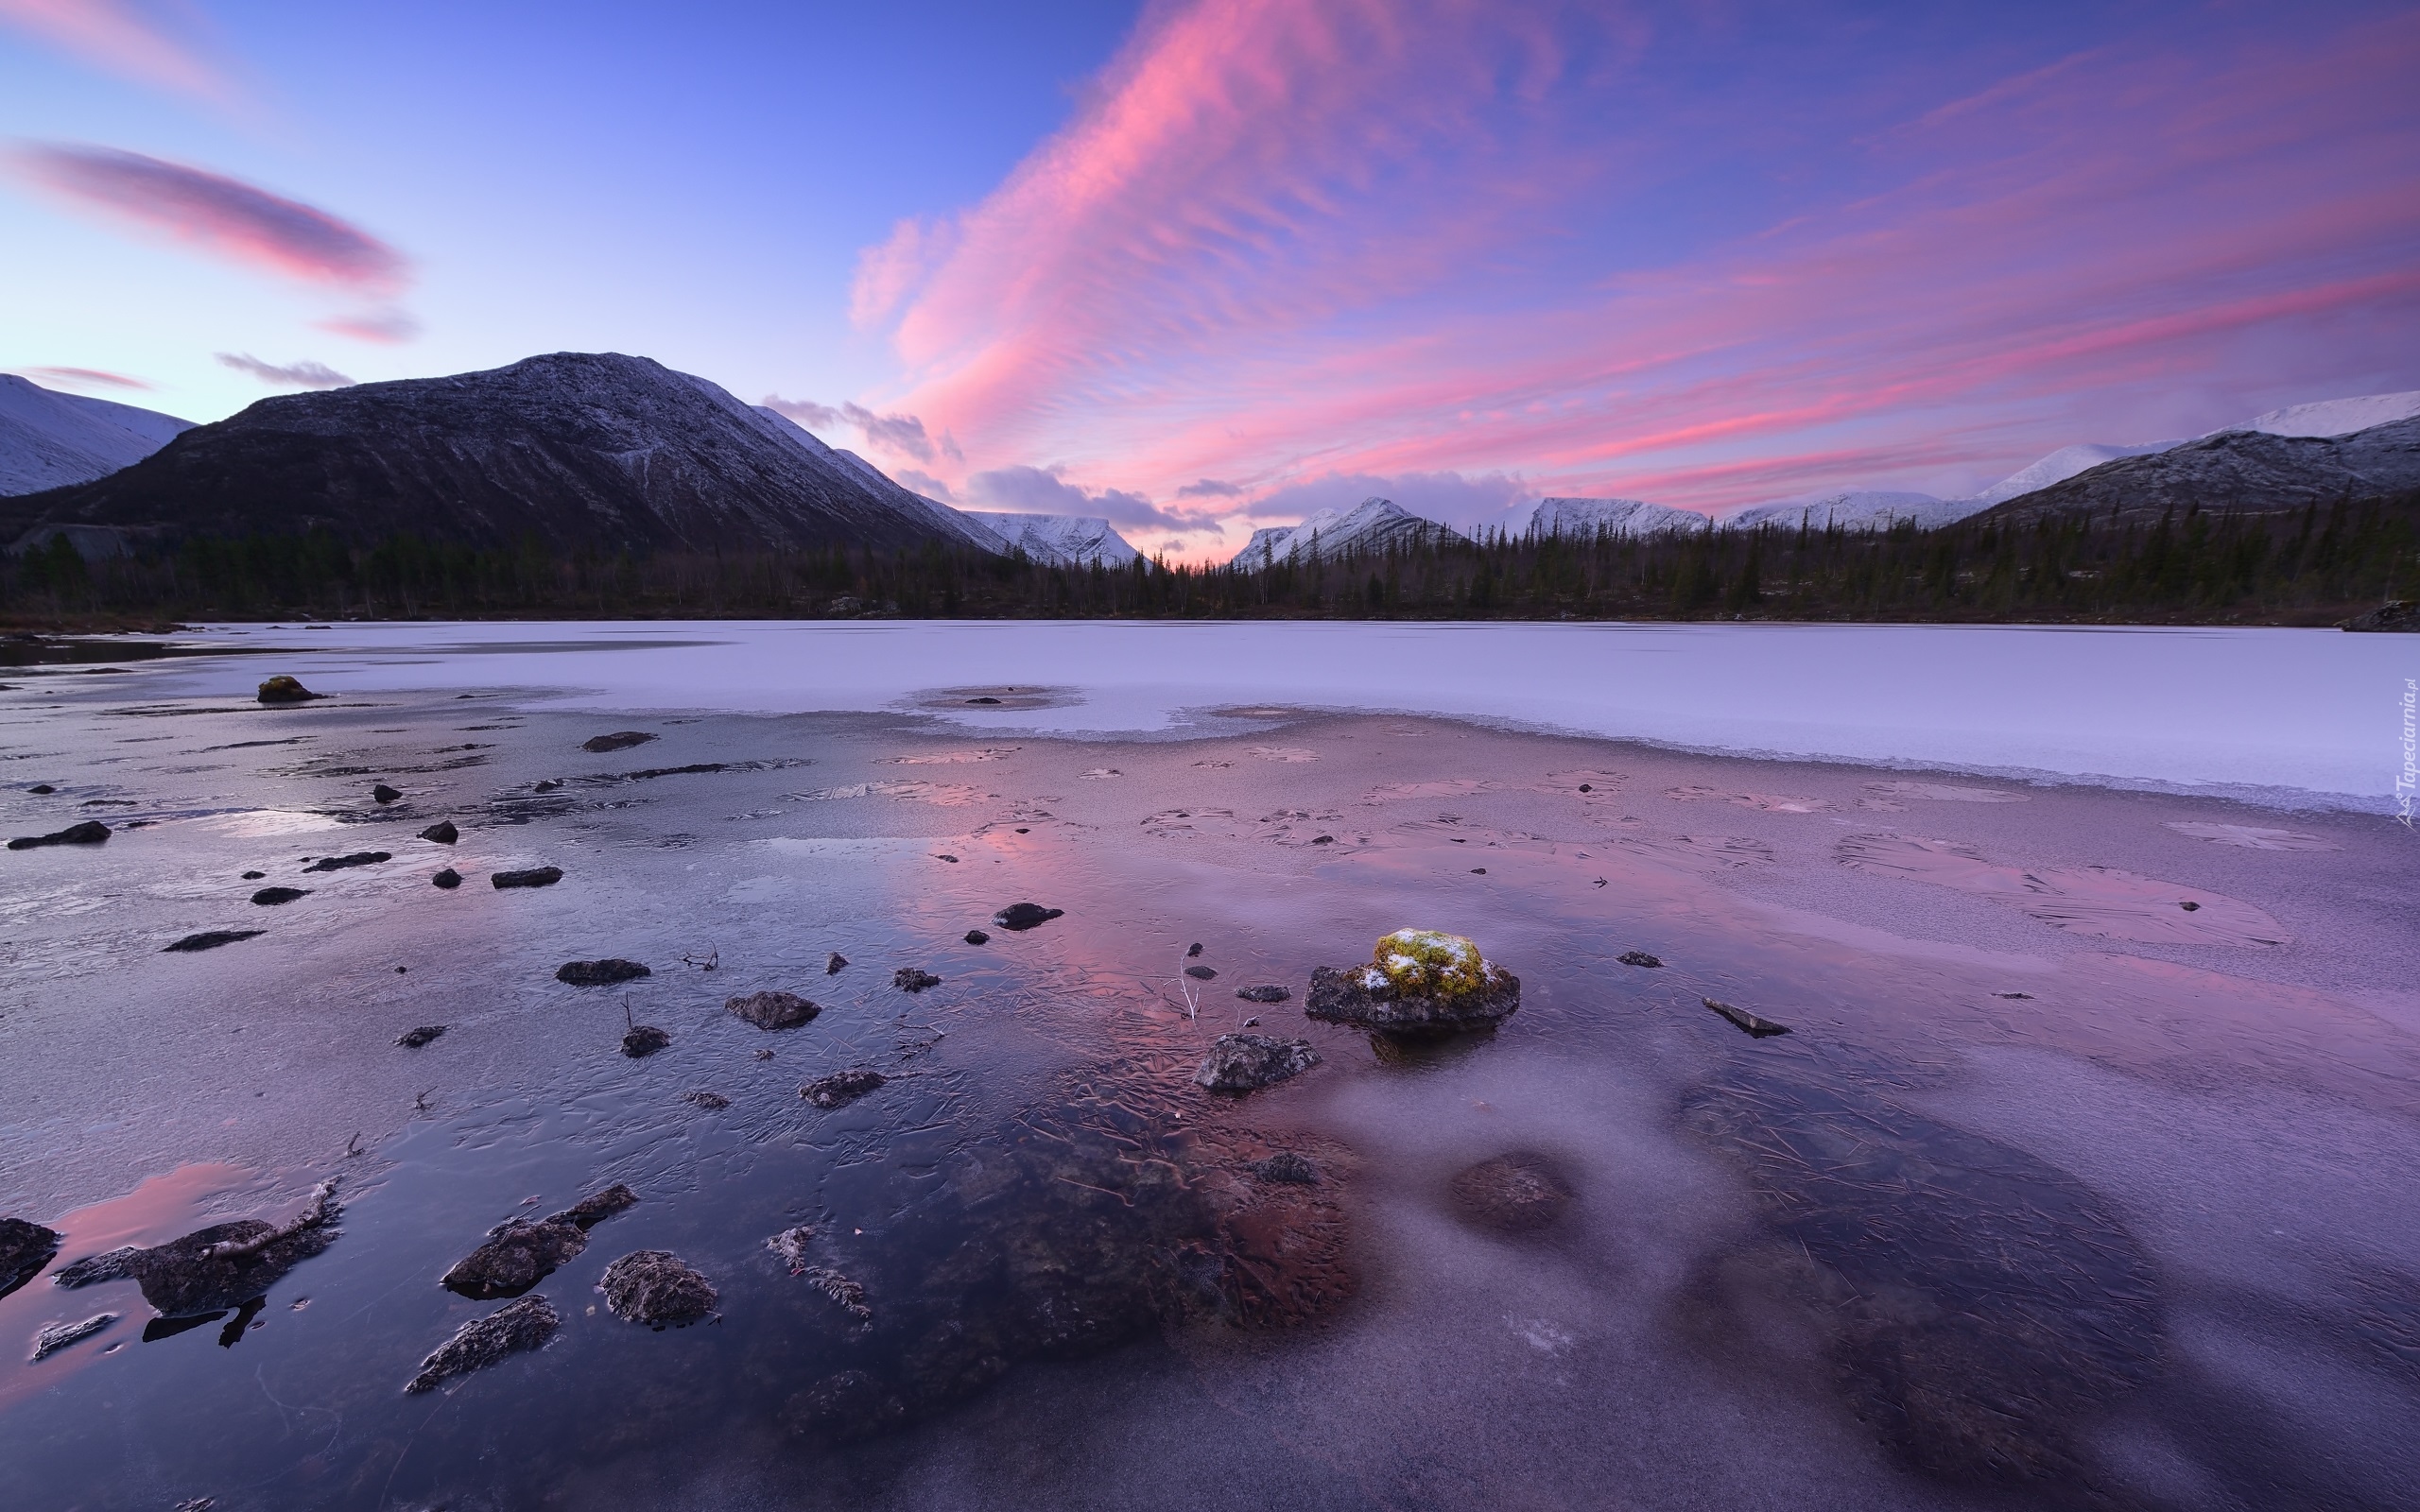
2313 566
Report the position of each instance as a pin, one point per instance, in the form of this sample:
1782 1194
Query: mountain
49 440
2255 471
1856 510
1375 524
1058 540
1621 517
2058 467
2336 417
592 452
951 522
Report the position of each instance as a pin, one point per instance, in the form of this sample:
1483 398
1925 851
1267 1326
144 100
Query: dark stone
1203 973
527 1324
913 979
414 1039
546 784
109 1265
383 793
1323 839
841 1088
1586 788
1746 1022
594 1208
1247 1062
271 896
1519 1193
1193 950
774 1010
599 974
530 877
711 1102
983 700
44 789
228 1265
210 940
792 1244
24 1249
620 740
652 1286
283 689
448 879
976 937
1361 996
1288 1167
2399 615
643 1040
58 1336
1270 992
1479 872
442 832
91 832
254 876
1639 958
359 858
832 966
516 1255
1025 916
846 1294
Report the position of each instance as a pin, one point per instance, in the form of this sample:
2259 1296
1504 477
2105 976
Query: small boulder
1745 1021
654 1287
58 1336
254 876
528 877
210 940
1639 958
1267 993
42 788
1247 1062
448 879
1193 950
1203 973
832 966
1025 916
228 1265
643 1040
1288 1167
92 831
711 1102
774 1010
1419 982
383 793
25 1248
620 740
516 1255
841 1088
359 858
271 897
599 1206
976 937
527 1324
442 832
606 972
283 689
913 979
109 1265
791 1243
426 1034
1516 1192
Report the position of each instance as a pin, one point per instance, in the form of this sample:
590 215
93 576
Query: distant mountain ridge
1058 539
49 440
1375 524
2246 470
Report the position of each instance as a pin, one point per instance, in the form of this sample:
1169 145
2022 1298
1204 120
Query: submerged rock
91 832
228 1265
791 1243
643 1040
848 1294
210 940
448 879
528 877
24 1249
774 1010
1288 1167
271 897
1203 973
976 937
527 1324
1517 1193
606 972
109 1265
359 858
913 979
1270 992
711 1102
1420 981
1639 958
1746 1022
620 740
414 1039
832 966
655 1287
1025 916
841 1088
442 832
519 1253
383 793
597 1206
1247 1062
58 1336
283 689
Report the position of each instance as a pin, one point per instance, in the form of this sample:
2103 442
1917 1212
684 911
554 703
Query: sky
1205 264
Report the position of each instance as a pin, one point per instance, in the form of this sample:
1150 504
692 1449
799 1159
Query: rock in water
643 1040
271 897
1288 1167
1420 981
383 793
2399 615
59 1335
1203 973
442 832
426 1034
711 1102
448 879
791 1243
109 1265
228 1265
1518 1192
1247 1062
92 831
841 1088
913 979
620 740
1639 958
599 974
652 1286
774 1010
518 1254
527 1324
848 1294
832 966
1747 1022
1269 993
530 877
359 858
283 689
1025 916
976 937
594 1208
24 1249
210 940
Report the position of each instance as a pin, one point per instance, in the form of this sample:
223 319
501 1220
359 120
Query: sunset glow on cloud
122 38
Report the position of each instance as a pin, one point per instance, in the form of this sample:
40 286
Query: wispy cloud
387 328
304 375
126 39
1042 491
82 378
903 434
1210 488
807 412
219 215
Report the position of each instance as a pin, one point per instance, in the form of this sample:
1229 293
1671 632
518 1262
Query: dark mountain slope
2246 472
586 451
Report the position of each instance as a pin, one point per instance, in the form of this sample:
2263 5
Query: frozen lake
2288 717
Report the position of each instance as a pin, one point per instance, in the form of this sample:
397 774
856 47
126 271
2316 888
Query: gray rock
383 793
774 1010
109 1265
976 937
1269 992
913 979
283 689
832 966
442 832
848 1294
24 1249
58 1336
655 1287
528 877
228 1265
643 1040
1359 996
92 831
414 1039
606 972
1203 973
620 740
448 879
210 940
527 1324
791 1243
841 1088
519 1253
1247 1062
1289 1167
271 897
1746 1022
359 858
1639 958
1025 916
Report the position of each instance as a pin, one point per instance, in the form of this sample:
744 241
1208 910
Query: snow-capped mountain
1854 509
49 440
2336 417
1620 516
1373 524
583 451
2058 467
1058 539
2243 470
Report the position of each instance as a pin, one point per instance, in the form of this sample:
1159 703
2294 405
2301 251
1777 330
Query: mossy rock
1418 981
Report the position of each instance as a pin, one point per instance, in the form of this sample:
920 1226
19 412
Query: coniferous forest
2313 567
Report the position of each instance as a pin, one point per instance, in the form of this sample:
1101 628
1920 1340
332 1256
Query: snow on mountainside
1620 516
1373 524
2058 467
1058 540
2335 417
49 440
1855 509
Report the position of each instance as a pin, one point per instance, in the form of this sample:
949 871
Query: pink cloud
387 328
121 37
82 378
219 215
